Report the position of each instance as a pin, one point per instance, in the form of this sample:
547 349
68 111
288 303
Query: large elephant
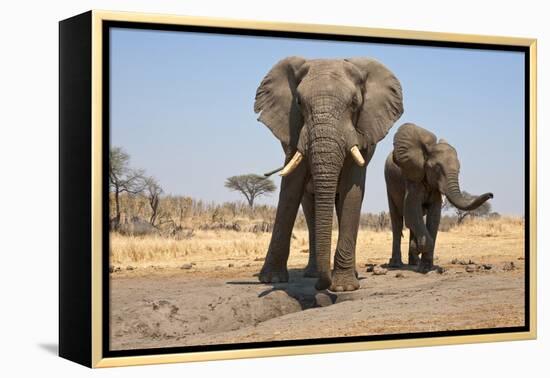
329 113
418 172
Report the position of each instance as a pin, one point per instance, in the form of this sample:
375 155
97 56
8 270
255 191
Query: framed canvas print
235 189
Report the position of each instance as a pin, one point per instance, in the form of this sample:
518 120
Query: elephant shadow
409 268
302 289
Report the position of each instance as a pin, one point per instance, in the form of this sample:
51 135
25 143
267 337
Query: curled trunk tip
459 200
466 203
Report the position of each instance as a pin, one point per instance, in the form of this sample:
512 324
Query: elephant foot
311 271
395 263
270 274
425 266
344 280
323 281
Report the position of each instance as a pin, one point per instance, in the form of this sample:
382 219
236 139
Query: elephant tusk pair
297 158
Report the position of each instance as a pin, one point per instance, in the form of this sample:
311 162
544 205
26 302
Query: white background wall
29 185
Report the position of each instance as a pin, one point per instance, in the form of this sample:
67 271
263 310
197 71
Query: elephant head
421 157
324 110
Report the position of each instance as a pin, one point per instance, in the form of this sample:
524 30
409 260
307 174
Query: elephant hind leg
397 232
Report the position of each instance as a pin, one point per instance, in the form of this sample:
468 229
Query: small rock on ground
399 275
370 267
462 262
470 268
509 266
186 266
379 271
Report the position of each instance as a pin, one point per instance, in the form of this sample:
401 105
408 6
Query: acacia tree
481 211
251 186
122 179
153 192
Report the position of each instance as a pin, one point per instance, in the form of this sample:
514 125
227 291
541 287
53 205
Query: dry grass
203 246
504 226
475 239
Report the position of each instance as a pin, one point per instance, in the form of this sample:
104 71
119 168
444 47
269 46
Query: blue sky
182 107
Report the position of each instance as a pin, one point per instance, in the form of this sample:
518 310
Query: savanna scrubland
189 278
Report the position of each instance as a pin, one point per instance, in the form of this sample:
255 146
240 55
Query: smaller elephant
418 171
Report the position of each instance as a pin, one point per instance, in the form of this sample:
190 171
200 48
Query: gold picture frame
82 278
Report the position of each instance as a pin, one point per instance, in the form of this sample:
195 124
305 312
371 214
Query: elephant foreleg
414 220
292 190
309 214
350 198
433 218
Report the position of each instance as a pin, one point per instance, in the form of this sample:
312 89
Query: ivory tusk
292 164
357 156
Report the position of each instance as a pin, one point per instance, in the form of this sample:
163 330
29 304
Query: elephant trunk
455 196
327 154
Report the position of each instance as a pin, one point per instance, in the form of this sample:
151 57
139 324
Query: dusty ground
214 297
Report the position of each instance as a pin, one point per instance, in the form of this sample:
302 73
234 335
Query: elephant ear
276 103
411 144
382 103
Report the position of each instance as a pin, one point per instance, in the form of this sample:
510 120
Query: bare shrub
447 222
136 227
376 222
